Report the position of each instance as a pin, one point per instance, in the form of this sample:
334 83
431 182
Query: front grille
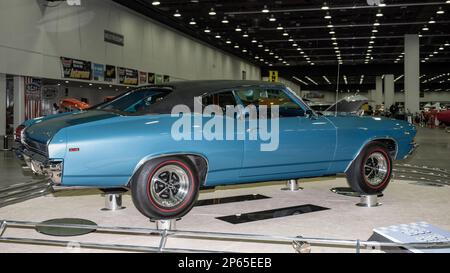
36 147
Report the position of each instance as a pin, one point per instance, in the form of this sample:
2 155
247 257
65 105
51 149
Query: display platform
401 196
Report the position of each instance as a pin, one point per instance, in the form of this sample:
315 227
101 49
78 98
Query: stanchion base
301 246
292 185
369 201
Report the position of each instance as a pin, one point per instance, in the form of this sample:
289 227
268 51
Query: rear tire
370 173
165 188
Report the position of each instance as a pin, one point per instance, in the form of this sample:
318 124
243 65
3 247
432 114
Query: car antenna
337 89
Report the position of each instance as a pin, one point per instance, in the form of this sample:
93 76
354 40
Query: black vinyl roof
184 92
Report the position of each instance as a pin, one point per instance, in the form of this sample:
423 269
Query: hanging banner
128 76
99 72
76 69
151 78
273 76
143 78
110 73
33 98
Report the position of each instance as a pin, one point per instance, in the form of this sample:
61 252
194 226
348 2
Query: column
389 98
2 106
19 100
412 73
378 98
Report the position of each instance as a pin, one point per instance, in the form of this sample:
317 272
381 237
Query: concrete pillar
19 100
378 98
2 105
389 97
412 73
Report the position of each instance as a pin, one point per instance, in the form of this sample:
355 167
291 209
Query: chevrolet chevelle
127 142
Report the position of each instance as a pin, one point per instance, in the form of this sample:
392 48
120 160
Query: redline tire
165 188
371 172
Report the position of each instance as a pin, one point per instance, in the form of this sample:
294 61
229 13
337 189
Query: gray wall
33 37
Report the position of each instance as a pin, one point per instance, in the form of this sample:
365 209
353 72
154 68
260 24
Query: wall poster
151 78
99 72
128 76
76 69
143 77
110 73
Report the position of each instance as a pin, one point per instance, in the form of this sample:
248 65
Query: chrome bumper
40 165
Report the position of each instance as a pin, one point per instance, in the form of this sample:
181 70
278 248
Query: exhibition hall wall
33 37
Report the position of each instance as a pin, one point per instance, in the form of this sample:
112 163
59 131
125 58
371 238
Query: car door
306 142
224 155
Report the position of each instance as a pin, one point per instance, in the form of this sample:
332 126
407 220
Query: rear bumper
40 164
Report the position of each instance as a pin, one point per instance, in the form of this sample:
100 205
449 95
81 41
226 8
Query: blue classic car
131 142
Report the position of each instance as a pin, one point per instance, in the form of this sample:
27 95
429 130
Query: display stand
166 224
113 199
292 185
369 201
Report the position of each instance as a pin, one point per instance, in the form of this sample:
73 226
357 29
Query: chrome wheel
169 186
376 169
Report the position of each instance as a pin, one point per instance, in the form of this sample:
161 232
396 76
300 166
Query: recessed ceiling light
218 36
425 28
325 7
260 45
330 26
271 53
238 29
294 45
212 12
290 40
447 44
265 9
374 30
192 22
382 5
431 21
257 57
225 20
279 27
244 50
328 16
156 3
441 48
285 34
272 18
228 42
266 50
332 32
207 30
440 11
177 14
254 41
379 14
376 24
245 35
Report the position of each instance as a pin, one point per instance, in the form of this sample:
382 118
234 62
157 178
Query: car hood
349 104
44 129
372 123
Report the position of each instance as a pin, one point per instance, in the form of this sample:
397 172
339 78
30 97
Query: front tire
165 188
371 172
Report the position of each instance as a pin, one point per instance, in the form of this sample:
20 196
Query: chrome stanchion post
2 227
292 185
301 246
166 224
113 199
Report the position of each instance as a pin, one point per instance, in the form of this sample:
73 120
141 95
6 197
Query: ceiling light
236 46
431 21
260 45
218 36
271 53
328 16
332 32
245 35
285 34
228 42
376 24
294 45
238 29
374 30
425 28
212 12
441 48
192 22
177 14
330 26
207 30
244 50
156 3
371 42
290 40
254 41
265 9
440 11
279 27
225 20
272 18
325 7
256 57
266 50
379 14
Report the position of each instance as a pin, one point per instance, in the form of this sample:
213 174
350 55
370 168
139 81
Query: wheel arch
199 161
390 143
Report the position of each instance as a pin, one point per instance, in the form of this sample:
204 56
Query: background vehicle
127 142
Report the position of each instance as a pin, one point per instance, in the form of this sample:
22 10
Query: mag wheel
371 171
165 188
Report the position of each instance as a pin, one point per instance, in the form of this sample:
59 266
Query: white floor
403 203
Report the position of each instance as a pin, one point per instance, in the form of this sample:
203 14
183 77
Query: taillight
18 134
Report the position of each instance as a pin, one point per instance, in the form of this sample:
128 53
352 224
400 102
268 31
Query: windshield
137 101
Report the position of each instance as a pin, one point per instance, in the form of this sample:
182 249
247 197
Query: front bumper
40 164
414 147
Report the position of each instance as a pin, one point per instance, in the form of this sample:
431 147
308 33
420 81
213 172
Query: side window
266 96
221 99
